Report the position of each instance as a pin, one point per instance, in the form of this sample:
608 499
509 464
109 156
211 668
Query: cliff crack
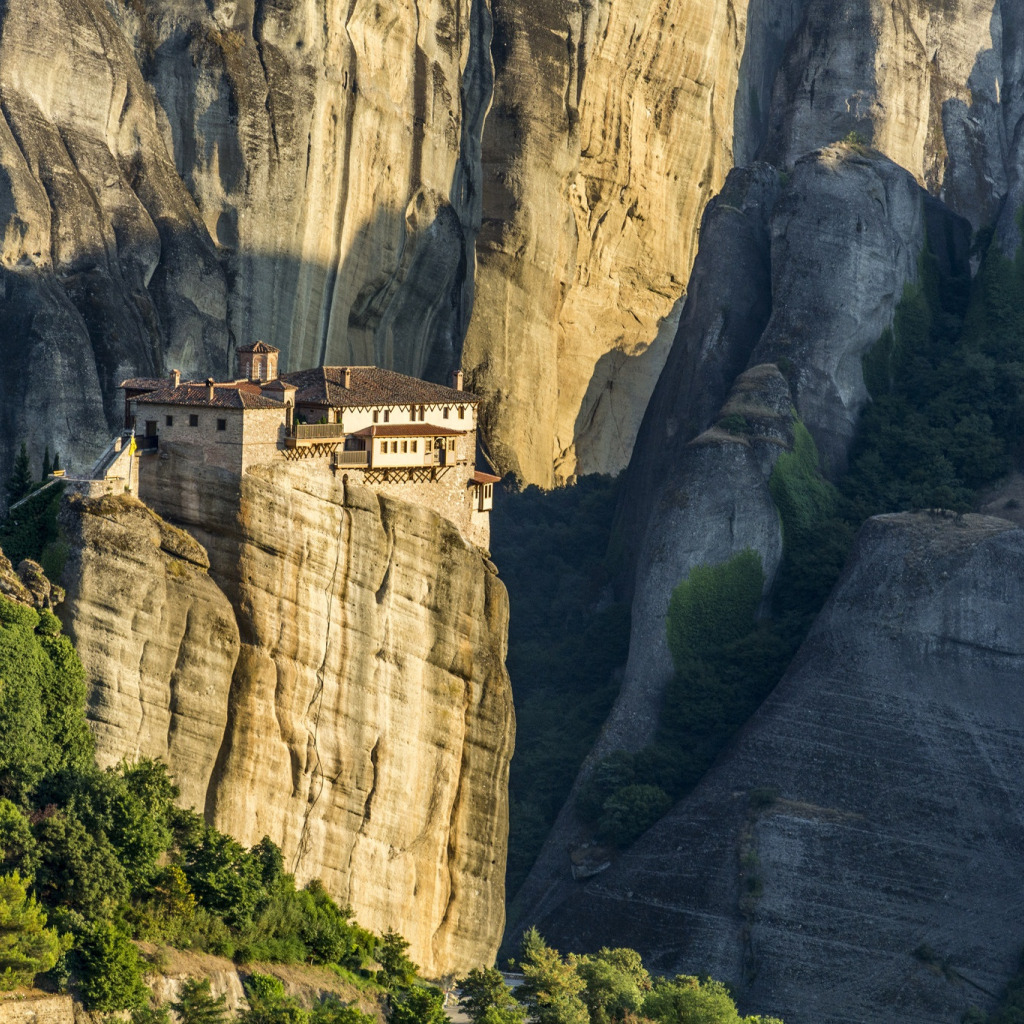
367 803
315 706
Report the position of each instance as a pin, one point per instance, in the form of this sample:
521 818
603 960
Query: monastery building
406 437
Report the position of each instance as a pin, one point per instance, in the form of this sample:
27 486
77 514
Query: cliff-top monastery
398 434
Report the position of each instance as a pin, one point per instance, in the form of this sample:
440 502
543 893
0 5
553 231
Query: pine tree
27 946
21 481
47 464
551 989
56 462
196 1005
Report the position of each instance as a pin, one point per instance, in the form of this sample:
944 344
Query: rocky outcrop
920 81
852 856
156 636
365 720
817 266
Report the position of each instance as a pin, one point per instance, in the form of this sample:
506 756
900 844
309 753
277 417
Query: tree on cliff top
21 480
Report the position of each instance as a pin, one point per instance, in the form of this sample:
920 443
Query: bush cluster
611 986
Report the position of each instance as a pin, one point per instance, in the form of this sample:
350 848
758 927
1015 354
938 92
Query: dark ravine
869 813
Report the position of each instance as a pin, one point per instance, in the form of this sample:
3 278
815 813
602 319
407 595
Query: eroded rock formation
345 180
865 829
364 721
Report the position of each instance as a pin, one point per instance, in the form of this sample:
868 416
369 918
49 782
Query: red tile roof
225 396
484 478
145 383
369 386
407 430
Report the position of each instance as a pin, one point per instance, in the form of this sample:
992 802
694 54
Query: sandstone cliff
856 854
364 721
513 185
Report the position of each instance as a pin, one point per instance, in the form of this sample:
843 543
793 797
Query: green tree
196 1005
268 1004
417 1006
17 844
27 946
397 971
20 482
551 987
328 933
47 464
688 1000
332 1011
486 999
616 984
713 606
110 969
151 1015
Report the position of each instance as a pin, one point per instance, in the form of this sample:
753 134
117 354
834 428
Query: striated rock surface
923 82
796 280
156 636
330 150
595 173
866 827
365 720
105 265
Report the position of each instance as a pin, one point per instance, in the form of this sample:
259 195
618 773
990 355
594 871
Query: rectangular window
415 445
376 415
387 415
193 420
169 421
222 424
394 447
445 413
383 447
462 412
405 446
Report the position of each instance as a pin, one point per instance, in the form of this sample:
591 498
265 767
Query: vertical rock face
866 827
323 143
104 263
364 722
597 166
157 637
923 82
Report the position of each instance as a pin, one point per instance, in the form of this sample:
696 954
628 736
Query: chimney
209 389
175 378
347 381
457 380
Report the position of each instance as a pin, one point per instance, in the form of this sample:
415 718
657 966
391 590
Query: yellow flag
132 445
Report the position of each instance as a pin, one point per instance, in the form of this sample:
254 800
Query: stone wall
37 1010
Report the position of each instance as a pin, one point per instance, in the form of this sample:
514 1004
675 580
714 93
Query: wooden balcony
304 434
355 459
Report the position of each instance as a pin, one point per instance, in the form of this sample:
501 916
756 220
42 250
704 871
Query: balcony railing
352 458
317 431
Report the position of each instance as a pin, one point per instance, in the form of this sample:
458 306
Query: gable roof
369 386
225 396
